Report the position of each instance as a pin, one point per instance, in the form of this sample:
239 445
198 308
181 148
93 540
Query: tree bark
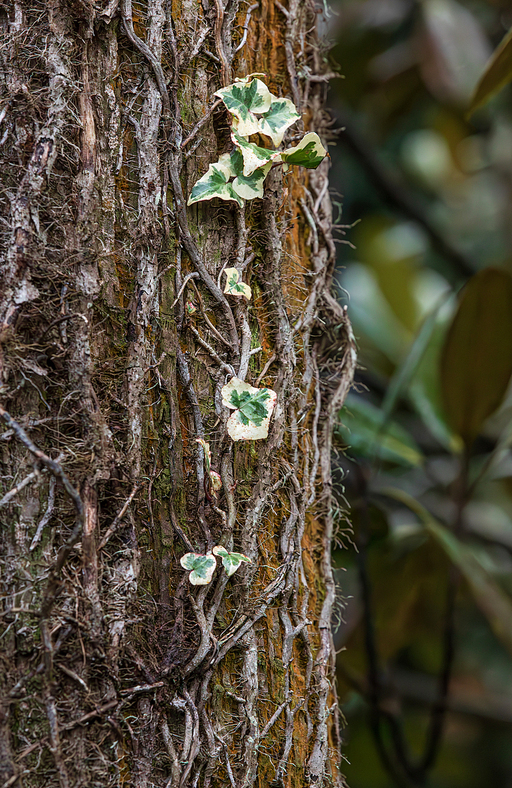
115 340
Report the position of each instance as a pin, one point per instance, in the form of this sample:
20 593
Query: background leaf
494 603
497 74
367 433
476 361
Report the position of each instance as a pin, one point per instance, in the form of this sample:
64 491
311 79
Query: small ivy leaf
230 561
253 410
254 157
243 99
280 116
233 286
215 184
308 153
250 187
201 567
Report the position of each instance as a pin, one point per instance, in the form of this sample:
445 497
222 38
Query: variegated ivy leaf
253 409
279 117
215 480
201 567
308 153
215 184
230 561
234 286
254 157
243 100
251 186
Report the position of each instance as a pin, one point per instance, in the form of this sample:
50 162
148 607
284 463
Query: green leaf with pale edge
280 116
497 74
236 162
243 100
251 186
201 567
214 184
308 153
234 286
253 409
254 157
230 561
476 360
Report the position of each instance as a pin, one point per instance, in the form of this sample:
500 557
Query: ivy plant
201 567
230 561
240 174
253 408
234 286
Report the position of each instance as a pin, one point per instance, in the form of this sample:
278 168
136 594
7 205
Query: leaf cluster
201 567
240 174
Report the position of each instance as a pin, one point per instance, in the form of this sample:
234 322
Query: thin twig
251 8
187 279
207 319
200 123
226 367
46 516
19 487
117 519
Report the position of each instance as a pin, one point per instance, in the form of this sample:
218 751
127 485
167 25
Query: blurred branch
397 196
399 767
440 706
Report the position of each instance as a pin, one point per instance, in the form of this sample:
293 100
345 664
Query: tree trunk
115 341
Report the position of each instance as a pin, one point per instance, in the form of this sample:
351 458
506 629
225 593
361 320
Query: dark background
423 199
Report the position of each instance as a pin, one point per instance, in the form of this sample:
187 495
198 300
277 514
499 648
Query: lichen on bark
116 339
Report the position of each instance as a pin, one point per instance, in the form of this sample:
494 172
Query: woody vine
238 176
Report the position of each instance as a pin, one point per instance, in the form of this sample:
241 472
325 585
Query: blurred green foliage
425 268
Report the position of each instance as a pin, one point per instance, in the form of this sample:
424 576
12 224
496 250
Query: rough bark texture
114 670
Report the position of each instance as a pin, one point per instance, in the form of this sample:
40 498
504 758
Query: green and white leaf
230 164
308 153
234 286
251 186
230 561
254 157
201 567
280 116
215 184
253 410
243 100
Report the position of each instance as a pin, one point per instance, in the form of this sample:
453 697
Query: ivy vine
240 174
